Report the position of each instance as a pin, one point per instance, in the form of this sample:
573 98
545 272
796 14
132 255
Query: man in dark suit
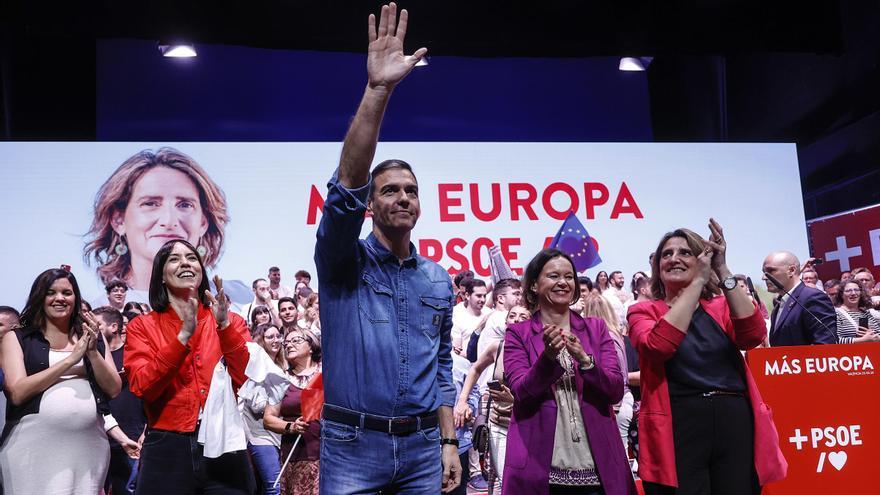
790 324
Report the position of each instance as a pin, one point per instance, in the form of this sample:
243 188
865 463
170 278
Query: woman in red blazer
170 356
702 425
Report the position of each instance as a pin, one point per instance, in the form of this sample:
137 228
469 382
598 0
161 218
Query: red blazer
174 380
656 340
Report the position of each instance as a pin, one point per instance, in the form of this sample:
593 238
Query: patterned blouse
848 320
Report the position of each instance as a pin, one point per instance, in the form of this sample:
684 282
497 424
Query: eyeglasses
294 341
852 291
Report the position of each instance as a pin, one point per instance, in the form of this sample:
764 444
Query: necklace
304 376
566 381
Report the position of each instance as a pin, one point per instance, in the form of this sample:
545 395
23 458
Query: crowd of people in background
284 321
553 375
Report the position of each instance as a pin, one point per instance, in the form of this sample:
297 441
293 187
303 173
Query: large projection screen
514 195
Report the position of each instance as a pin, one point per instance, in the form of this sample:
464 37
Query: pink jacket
533 423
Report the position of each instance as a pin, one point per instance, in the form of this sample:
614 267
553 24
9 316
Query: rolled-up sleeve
340 227
444 359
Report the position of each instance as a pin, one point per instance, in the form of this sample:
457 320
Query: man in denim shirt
386 312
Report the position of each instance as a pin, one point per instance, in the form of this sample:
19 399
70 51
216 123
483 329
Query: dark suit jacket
794 326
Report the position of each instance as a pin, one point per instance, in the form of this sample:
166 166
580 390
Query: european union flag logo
574 240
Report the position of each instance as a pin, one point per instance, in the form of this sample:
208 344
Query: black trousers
172 463
714 447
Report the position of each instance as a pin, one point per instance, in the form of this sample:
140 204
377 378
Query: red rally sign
825 405
845 241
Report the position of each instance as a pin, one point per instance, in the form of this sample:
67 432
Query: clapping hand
719 249
576 349
90 328
386 63
554 341
219 304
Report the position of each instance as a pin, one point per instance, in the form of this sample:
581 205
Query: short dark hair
304 291
472 283
130 315
259 310
114 284
388 165
254 283
302 274
158 293
462 275
110 315
612 274
533 271
505 283
641 284
133 306
286 299
9 310
634 279
274 269
585 281
33 314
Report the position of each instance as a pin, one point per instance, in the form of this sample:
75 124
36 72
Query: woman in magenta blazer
702 426
565 376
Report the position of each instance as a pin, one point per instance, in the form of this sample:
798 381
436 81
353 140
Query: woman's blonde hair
599 307
259 337
113 197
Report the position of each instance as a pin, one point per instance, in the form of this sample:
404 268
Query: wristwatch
449 441
287 427
729 283
584 367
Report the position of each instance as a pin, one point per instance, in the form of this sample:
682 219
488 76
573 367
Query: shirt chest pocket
375 300
433 310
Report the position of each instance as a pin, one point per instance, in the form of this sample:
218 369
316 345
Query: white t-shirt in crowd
463 325
618 298
494 330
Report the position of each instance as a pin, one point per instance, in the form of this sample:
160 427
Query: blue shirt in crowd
385 324
464 433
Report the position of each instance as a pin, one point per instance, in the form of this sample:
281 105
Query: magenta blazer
533 423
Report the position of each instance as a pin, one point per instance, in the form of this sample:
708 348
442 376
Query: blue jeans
122 473
359 461
267 463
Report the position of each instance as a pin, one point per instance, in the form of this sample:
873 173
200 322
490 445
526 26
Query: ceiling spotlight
634 64
177 50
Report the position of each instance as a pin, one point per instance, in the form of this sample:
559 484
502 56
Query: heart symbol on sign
837 459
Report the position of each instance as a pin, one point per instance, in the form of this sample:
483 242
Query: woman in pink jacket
565 377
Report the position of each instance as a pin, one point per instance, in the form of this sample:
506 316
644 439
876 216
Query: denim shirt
385 324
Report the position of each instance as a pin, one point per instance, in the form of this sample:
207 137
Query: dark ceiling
725 70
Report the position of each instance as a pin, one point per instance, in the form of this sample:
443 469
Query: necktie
777 303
